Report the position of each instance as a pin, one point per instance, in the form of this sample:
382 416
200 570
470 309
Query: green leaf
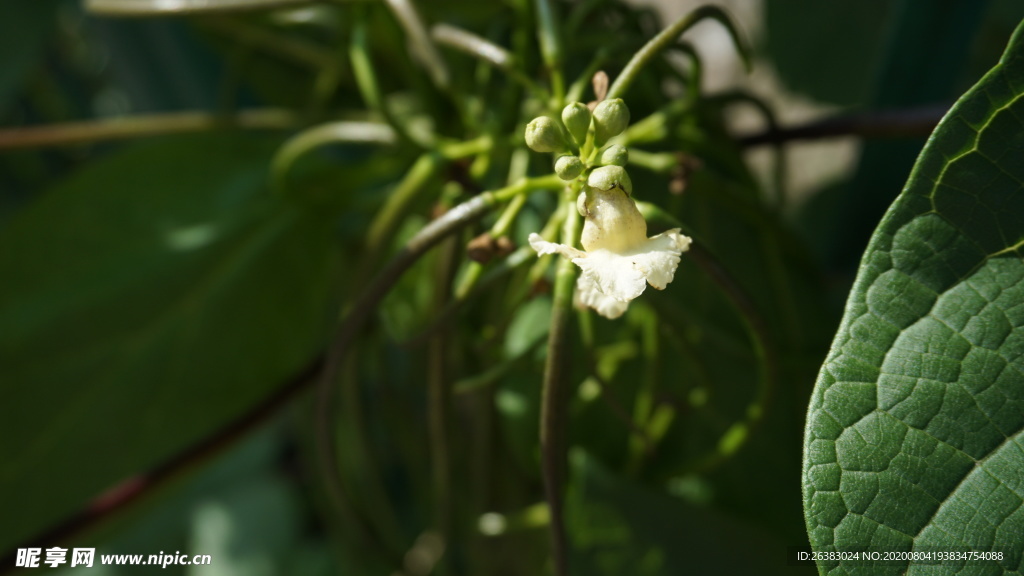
146 303
915 434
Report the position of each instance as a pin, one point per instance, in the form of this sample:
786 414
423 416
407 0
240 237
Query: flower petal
658 258
590 295
544 247
615 275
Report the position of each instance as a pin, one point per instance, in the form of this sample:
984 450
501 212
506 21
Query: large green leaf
144 304
915 434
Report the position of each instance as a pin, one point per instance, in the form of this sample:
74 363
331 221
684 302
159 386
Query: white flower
620 260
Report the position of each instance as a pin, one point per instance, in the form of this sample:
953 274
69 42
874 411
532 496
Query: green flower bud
543 134
576 117
614 155
568 167
610 118
608 177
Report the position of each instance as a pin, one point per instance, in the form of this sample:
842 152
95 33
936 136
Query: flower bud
568 167
576 117
543 134
614 155
610 118
608 177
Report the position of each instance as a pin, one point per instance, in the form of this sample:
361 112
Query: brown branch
92 131
904 123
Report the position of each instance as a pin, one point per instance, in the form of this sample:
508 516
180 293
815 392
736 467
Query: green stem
439 404
518 165
488 52
92 131
136 8
764 352
554 390
360 313
324 134
551 49
667 37
696 69
416 179
366 76
424 49
301 52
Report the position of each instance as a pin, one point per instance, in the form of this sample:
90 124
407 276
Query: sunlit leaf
915 436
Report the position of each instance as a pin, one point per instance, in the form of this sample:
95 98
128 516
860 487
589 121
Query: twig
91 131
905 123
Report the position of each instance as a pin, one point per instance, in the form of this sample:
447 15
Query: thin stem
518 165
486 51
905 123
423 47
307 54
667 37
695 79
92 131
779 174
764 352
322 135
554 390
368 301
551 48
139 9
418 176
366 77
439 402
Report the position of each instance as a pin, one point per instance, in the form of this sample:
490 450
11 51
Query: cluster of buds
570 136
619 260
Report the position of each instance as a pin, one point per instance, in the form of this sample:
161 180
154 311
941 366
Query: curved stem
241 33
488 52
366 77
423 47
667 37
764 352
695 78
317 136
366 304
779 174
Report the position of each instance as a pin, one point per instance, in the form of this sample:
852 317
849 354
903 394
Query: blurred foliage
154 291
